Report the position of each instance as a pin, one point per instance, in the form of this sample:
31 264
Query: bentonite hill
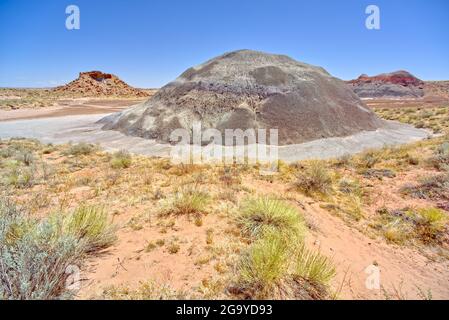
248 89
97 83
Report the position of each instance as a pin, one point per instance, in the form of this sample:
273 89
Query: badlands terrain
140 227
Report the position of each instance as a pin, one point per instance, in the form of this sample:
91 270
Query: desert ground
150 229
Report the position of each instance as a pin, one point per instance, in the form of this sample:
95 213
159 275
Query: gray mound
248 89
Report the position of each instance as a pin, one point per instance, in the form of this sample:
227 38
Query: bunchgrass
313 266
265 265
121 160
186 202
315 178
259 215
90 225
81 148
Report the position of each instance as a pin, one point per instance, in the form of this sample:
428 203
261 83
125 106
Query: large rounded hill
249 89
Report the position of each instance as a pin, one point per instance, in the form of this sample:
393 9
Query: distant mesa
247 89
399 84
99 84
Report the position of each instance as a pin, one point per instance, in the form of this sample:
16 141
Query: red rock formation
402 78
97 83
399 84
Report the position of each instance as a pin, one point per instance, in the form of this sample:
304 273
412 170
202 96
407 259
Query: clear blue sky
148 43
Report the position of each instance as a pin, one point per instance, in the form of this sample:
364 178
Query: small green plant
209 236
440 158
430 223
259 215
121 160
315 178
187 202
434 187
264 267
92 226
81 148
173 248
349 186
150 246
26 157
313 267
369 159
425 224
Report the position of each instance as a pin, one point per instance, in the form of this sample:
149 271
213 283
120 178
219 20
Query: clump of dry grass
147 290
426 225
440 159
186 202
434 187
81 148
316 178
121 160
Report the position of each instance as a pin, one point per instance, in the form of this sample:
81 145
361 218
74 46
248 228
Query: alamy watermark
372 281
372 22
250 146
72 22
73 279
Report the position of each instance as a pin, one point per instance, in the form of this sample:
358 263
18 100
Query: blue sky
148 43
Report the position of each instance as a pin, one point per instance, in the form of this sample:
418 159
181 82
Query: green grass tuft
313 266
259 215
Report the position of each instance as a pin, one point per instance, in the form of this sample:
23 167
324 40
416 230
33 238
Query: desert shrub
81 148
315 178
20 177
186 202
369 159
378 173
230 176
173 248
432 187
440 158
121 160
430 223
420 124
35 254
259 215
412 160
343 161
349 186
26 157
425 224
313 266
7 152
397 232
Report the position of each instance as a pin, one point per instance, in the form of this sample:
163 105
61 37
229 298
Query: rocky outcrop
98 84
248 89
400 84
